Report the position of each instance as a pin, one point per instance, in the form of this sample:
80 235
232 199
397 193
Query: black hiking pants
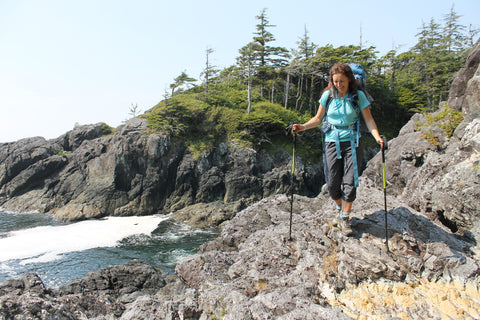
339 172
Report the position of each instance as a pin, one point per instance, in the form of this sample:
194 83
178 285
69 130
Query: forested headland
268 87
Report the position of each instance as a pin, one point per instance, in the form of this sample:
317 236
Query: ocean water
62 252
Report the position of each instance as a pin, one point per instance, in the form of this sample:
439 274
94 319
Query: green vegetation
447 119
431 137
62 152
205 123
254 100
105 130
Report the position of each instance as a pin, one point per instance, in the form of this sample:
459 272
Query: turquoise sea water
62 252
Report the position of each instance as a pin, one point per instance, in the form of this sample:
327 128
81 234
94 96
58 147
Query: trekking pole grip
384 147
385 142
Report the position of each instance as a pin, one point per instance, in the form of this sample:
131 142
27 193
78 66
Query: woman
341 137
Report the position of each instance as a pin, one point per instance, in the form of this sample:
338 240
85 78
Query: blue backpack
359 74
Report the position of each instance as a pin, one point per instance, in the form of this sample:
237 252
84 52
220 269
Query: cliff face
84 174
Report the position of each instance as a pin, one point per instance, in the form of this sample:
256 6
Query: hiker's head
342 78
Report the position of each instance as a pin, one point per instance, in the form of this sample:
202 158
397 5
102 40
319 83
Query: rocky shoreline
252 270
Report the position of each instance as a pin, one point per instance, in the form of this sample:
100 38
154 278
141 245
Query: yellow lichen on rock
452 300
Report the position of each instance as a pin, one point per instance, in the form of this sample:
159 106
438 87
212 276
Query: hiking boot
344 224
335 221
337 217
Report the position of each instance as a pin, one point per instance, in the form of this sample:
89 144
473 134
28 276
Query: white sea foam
18 212
46 257
48 243
6 269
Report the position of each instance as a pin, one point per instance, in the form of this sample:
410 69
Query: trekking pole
292 180
384 147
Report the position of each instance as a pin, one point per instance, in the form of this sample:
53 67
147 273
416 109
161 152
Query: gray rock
103 293
464 89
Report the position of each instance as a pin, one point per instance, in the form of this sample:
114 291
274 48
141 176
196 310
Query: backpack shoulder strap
354 96
330 98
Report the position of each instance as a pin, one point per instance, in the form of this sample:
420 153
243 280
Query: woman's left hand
380 142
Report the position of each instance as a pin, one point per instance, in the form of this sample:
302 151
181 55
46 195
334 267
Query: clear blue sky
64 62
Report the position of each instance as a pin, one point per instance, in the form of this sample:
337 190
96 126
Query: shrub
105 130
430 137
447 119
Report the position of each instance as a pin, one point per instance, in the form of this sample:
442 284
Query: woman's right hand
298 127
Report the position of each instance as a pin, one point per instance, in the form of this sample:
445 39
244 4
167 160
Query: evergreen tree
134 111
268 57
421 77
306 48
247 64
428 50
454 33
303 66
209 72
471 35
181 80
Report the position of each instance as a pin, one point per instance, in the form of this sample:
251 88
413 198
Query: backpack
361 77
359 74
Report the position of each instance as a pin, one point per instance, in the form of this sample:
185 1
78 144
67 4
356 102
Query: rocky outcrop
101 293
253 270
89 174
465 87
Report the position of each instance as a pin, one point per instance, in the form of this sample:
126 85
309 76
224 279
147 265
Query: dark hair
345 69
